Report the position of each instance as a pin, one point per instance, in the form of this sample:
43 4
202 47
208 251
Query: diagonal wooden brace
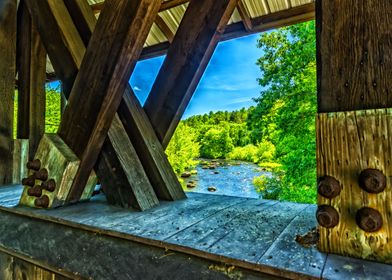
104 115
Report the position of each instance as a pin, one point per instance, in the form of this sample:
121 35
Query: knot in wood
34 165
369 219
372 180
42 202
49 185
327 216
328 187
42 174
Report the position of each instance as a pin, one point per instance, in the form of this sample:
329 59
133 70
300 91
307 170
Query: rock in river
211 189
186 175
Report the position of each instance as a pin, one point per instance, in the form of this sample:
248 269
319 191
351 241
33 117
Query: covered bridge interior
144 226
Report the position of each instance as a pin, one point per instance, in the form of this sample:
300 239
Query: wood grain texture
52 35
347 143
354 52
148 148
62 165
20 154
7 86
142 136
140 193
31 81
124 234
113 62
193 45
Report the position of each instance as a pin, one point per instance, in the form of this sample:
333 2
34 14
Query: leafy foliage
183 148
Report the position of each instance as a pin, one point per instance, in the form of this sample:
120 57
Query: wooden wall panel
354 54
7 86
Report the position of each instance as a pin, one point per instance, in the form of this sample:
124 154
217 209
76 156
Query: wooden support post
193 45
7 86
31 81
354 147
142 136
113 63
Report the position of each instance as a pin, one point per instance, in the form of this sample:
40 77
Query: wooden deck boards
249 233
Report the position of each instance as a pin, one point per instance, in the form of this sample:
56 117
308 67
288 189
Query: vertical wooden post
7 86
31 81
354 141
191 50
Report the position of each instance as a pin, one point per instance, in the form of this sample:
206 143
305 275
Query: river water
234 178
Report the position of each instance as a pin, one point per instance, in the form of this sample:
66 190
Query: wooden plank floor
249 233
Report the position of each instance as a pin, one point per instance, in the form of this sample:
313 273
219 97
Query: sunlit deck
106 242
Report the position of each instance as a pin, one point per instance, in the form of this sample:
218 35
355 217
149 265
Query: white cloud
136 88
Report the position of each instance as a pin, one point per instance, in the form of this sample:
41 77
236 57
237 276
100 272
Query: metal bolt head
372 180
49 185
328 187
369 219
42 174
327 216
34 165
42 202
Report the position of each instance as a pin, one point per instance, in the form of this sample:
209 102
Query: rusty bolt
369 219
328 187
327 216
34 165
49 185
35 191
42 174
29 181
42 202
372 180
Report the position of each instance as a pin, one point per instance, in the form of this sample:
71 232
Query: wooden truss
94 63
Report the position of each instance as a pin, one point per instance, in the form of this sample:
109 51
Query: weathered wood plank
285 253
139 194
52 35
354 55
59 165
31 81
347 144
7 86
148 148
193 45
249 241
78 251
20 154
6 267
164 28
246 20
338 267
114 63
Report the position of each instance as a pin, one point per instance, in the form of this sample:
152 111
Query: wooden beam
195 41
113 63
52 35
150 152
7 86
166 5
82 17
164 28
347 81
260 24
31 81
246 20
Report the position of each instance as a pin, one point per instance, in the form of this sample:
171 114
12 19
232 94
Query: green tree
286 109
216 143
183 148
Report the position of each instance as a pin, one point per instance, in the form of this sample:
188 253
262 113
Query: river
232 178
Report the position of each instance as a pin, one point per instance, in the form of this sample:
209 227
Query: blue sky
229 82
